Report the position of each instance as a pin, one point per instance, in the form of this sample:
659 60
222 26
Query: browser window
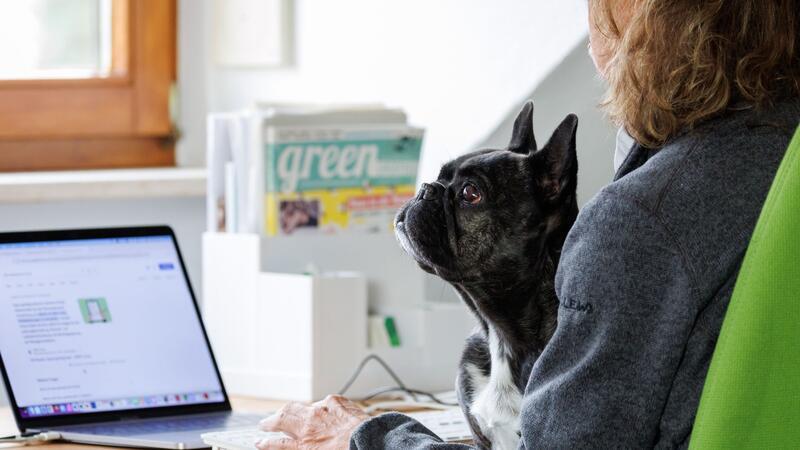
101 324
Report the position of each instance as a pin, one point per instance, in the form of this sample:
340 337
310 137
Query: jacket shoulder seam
672 177
669 235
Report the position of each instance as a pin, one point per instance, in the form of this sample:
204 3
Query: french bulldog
492 225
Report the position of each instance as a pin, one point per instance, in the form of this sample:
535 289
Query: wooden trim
101 153
153 65
74 112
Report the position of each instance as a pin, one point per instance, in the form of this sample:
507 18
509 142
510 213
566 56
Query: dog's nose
430 191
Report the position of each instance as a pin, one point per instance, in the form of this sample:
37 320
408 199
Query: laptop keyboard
245 439
167 425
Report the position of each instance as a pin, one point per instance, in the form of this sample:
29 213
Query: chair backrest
751 398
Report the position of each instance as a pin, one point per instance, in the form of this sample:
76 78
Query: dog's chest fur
495 400
497 362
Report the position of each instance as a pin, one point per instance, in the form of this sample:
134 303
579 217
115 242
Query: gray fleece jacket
626 368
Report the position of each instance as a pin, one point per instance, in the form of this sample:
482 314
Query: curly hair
678 63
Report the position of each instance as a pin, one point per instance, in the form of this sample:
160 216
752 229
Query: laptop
101 340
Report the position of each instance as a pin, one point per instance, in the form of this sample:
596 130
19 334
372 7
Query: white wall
193 73
572 87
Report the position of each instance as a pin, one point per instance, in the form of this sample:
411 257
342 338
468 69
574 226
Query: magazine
338 179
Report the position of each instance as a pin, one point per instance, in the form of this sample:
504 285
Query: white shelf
102 184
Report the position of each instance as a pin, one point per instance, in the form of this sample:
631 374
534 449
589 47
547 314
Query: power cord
401 387
387 390
363 363
31 438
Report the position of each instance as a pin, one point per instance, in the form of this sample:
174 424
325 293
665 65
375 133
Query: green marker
391 330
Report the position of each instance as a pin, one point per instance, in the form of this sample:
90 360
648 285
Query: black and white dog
492 225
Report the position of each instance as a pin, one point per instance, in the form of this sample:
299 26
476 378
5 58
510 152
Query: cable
385 366
31 438
401 387
380 391
387 390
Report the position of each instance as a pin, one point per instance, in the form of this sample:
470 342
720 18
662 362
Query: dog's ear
522 140
555 166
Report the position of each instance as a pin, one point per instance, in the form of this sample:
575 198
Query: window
86 84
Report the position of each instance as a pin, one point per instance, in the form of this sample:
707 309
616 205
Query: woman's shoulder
706 187
737 153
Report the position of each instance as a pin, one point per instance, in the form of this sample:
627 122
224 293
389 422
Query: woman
709 90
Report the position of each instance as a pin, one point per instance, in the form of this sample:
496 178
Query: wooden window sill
31 187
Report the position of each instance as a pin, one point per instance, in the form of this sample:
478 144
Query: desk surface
240 404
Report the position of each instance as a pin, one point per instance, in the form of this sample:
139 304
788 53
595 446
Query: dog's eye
471 194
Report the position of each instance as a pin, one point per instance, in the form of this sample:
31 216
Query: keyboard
237 439
450 425
167 425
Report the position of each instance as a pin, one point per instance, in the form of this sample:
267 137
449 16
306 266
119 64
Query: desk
240 404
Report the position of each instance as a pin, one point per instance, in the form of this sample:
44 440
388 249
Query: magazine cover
338 179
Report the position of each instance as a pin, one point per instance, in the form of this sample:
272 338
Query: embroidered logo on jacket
584 307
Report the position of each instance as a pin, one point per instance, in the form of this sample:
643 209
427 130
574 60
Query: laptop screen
98 325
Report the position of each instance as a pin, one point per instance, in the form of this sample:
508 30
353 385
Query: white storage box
282 335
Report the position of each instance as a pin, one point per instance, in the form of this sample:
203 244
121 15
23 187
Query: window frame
122 120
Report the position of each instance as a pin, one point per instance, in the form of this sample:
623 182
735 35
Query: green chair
751 398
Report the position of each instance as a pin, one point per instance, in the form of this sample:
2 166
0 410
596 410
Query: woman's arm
397 431
627 307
